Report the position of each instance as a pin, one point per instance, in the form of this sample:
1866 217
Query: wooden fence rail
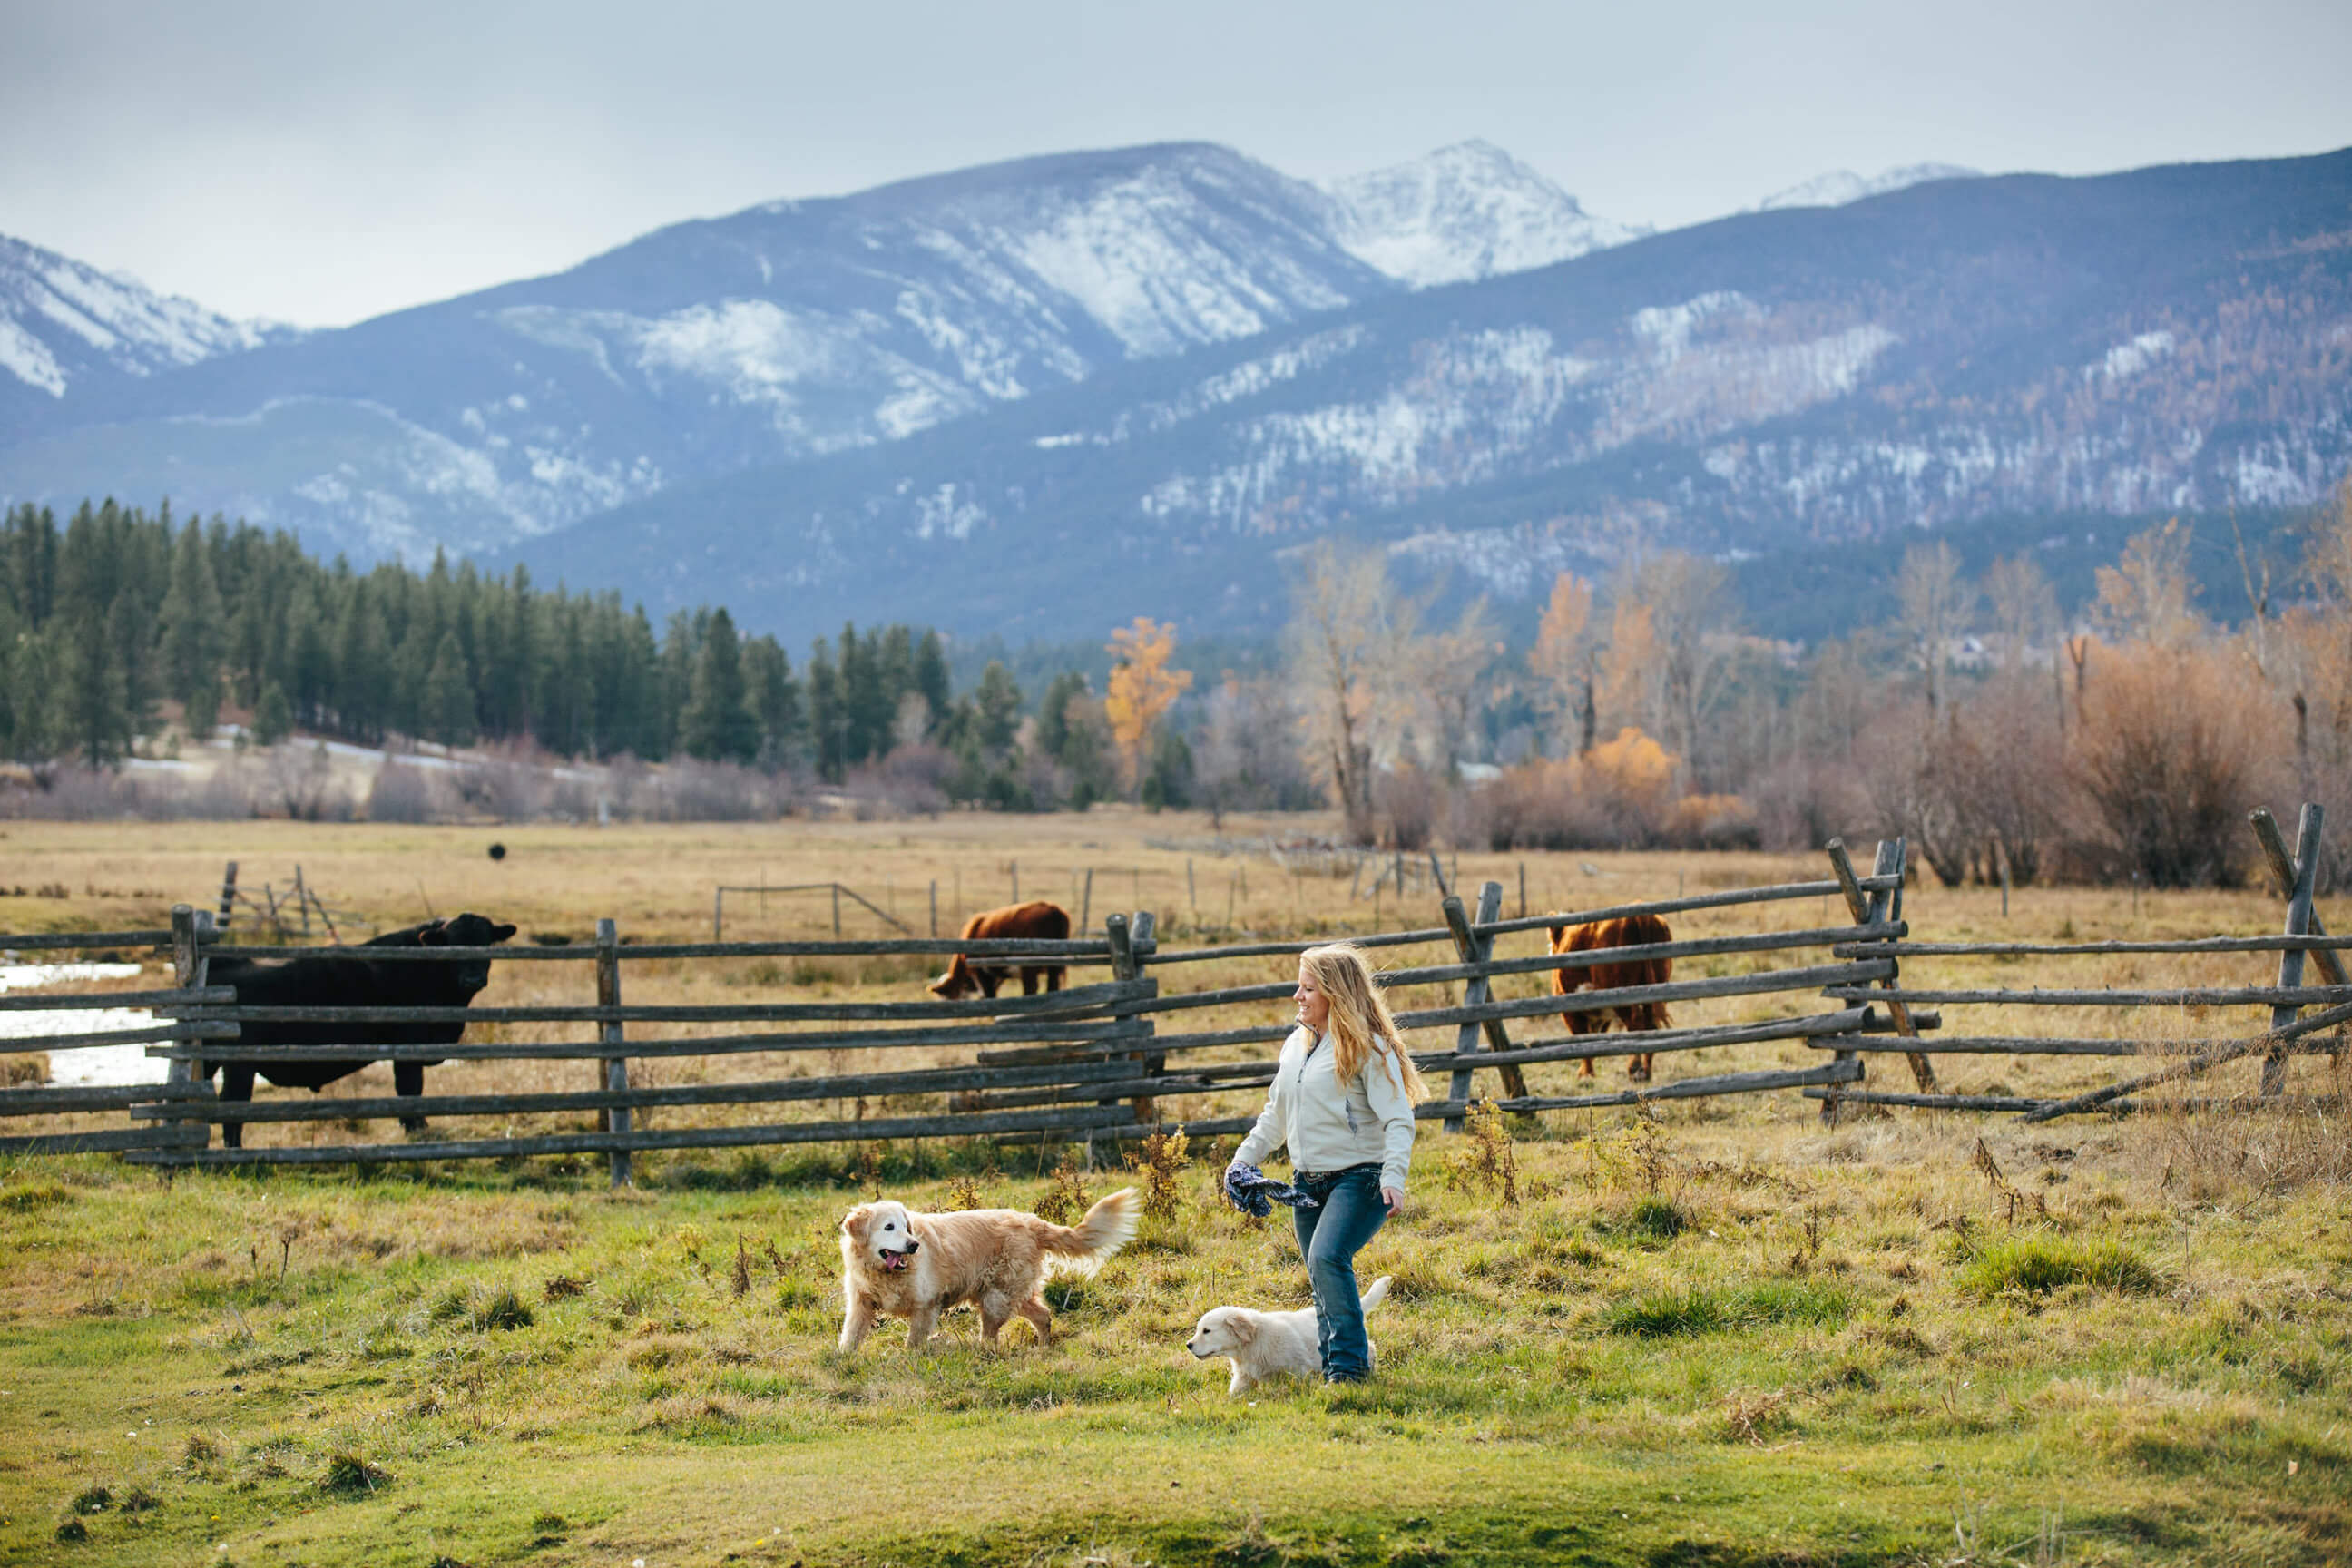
1091 1062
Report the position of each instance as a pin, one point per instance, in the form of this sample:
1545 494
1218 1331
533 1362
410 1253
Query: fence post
718 914
935 906
1147 1107
836 911
2306 867
1086 905
1868 911
616 1066
1477 950
2282 871
1123 966
188 966
228 895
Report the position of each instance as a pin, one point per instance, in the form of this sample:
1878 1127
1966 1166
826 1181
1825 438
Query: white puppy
1266 1344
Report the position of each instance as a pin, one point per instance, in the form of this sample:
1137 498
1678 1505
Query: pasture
1720 1334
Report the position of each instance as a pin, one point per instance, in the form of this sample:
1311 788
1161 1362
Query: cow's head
880 1237
466 929
956 982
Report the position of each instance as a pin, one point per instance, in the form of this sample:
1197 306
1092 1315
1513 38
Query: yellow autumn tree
1143 689
1564 659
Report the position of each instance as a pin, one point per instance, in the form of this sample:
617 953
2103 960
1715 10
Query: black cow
349 979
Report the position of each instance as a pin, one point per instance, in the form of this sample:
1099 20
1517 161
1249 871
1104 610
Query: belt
1325 1178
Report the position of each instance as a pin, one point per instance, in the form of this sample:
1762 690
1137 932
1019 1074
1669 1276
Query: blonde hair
1360 1024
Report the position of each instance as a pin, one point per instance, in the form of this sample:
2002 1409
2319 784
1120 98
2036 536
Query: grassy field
1723 1336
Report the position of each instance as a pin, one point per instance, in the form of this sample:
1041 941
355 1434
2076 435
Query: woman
1342 1101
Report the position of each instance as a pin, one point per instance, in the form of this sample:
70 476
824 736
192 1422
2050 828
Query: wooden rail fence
1091 1062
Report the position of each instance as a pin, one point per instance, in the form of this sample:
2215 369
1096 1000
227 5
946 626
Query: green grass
1773 1361
1700 1309
2037 1265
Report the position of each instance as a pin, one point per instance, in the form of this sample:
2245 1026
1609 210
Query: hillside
781 334
2172 337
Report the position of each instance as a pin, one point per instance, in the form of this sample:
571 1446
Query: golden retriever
901 1264
1261 1345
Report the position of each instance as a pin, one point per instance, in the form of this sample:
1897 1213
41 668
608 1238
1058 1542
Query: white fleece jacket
1324 1127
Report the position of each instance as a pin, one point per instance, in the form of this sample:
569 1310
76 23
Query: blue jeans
1330 1236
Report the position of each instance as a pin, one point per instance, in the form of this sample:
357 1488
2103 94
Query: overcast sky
319 162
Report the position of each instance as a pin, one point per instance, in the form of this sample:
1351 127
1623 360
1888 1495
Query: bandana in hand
1254 1193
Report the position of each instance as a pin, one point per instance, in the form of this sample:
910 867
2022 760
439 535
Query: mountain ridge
1948 352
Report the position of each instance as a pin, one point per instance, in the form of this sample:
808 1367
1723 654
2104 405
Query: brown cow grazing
1035 920
1632 930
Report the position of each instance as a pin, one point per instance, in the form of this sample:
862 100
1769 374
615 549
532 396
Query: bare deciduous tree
1447 676
1691 618
2024 607
2147 595
1344 631
1936 602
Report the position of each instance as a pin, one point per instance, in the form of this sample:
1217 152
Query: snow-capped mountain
779 334
63 323
1840 187
2022 347
1464 212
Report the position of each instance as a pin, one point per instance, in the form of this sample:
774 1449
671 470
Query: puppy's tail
1086 1246
1377 1294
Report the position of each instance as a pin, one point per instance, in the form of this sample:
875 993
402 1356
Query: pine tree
775 700
826 721
362 659
194 633
273 715
931 677
449 695
1053 717
718 725
865 703
93 716
998 702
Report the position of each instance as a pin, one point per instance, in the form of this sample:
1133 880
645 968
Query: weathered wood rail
1091 1062
2290 1032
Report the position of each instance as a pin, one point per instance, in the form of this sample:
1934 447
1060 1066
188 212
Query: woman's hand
1393 1197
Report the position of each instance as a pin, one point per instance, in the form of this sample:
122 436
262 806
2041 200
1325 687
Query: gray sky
320 161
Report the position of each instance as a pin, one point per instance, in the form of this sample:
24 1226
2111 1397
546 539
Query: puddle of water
85 1066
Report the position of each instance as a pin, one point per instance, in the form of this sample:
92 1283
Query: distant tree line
106 618
117 618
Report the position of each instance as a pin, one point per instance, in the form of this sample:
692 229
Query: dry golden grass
656 882
1718 1334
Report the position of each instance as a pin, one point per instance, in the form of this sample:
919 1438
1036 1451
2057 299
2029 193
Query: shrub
1659 1218
401 793
1067 1201
2037 1265
2166 758
352 1474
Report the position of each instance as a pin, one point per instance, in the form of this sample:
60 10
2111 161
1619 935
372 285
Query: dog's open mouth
896 1262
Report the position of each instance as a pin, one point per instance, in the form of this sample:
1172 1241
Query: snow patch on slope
2128 359
1840 187
1134 256
1465 212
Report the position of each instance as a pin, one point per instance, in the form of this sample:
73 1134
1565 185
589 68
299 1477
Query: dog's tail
1086 1246
1377 1294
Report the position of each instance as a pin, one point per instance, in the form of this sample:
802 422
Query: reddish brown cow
1632 930
1037 920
